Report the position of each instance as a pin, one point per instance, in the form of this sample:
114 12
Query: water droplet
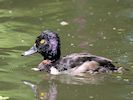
10 11
118 77
114 28
72 36
72 44
100 20
120 29
126 80
109 13
132 92
104 37
91 45
63 23
22 41
58 29
40 19
68 34
91 97
91 13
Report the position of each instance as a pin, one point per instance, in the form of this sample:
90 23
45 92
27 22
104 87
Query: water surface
100 27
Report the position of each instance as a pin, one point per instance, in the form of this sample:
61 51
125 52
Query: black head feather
50 49
47 44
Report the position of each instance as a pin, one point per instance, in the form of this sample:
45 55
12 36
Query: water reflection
79 80
129 38
54 87
42 93
47 88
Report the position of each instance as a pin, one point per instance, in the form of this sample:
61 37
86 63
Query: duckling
48 45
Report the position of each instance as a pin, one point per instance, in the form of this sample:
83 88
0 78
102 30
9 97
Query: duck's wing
77 59
84 55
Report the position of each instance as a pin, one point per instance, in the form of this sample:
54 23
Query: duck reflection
79 80
47 88
42 93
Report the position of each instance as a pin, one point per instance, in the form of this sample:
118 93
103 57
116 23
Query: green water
101 27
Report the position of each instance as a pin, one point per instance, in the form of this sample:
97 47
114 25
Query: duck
48 45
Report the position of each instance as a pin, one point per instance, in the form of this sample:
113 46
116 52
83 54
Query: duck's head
47 44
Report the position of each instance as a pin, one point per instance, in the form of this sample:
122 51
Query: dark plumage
48 45
51 48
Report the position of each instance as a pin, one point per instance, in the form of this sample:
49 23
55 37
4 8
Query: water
100 27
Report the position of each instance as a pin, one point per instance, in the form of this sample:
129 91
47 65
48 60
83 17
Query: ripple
129 38
7 86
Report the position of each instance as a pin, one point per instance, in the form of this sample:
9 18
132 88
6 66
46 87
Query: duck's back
78 59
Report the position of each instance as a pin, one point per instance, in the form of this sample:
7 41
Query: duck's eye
42 41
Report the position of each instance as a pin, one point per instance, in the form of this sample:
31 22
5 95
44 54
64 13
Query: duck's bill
31 51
